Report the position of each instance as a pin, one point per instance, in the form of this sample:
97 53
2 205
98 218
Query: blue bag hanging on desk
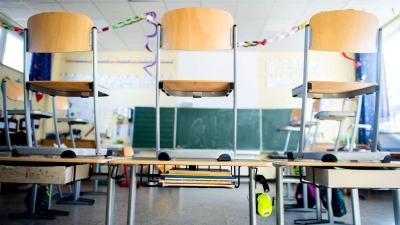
338 204
42 199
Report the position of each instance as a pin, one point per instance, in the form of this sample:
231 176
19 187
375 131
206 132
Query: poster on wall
289 73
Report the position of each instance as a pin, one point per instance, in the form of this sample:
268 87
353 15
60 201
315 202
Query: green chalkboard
200 128
144 131
273 140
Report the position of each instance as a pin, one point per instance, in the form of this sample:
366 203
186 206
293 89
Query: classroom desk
133 162
41 159
279 183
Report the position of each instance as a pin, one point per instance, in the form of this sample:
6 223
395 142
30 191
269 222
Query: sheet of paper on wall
122 131
82 108
120 82
293 66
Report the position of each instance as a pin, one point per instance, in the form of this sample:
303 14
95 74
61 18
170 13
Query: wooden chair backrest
344 31
59 32
127 151
296 115
315 106
61 103
15 91
197 29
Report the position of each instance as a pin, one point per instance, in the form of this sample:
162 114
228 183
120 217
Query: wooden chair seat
73 121
67 88
287 128
333 89
35 114
328 114
298 123
196 88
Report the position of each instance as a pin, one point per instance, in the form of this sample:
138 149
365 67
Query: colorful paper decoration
7 26
273 38
356 63
149 16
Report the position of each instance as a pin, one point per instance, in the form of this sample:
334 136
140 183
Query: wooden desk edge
338 164
150 161
56 160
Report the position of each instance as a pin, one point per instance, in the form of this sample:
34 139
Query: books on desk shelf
199 178
200 171
199 185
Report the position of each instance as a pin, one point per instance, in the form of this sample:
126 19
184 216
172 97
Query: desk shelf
35 114
63 152
298 123
196 88
221 155
67 88
329 89
73 121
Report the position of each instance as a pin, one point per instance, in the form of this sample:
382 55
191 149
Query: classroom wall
262 80
120 97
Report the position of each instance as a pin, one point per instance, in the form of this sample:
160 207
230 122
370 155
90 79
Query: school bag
42 199
338 204
310 196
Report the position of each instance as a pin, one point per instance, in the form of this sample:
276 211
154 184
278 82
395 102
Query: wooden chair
294 124
196 29
60 32
61 103
15 91
127 151
341 31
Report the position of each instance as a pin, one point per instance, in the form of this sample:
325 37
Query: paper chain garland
273 38
7 26
149 16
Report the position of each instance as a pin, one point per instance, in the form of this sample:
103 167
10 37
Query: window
391 51
13 51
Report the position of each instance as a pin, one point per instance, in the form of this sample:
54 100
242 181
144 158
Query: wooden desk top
43 159
330 164
199 162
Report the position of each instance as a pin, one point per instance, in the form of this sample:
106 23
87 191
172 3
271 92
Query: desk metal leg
110 197
330 212
132 196
279 196
355 204
76 200
318 211
53 211
396 205
305 199
252 195
95 184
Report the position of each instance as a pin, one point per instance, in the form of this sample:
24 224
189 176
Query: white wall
219 66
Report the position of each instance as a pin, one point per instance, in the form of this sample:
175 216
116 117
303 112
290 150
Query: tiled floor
176 206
